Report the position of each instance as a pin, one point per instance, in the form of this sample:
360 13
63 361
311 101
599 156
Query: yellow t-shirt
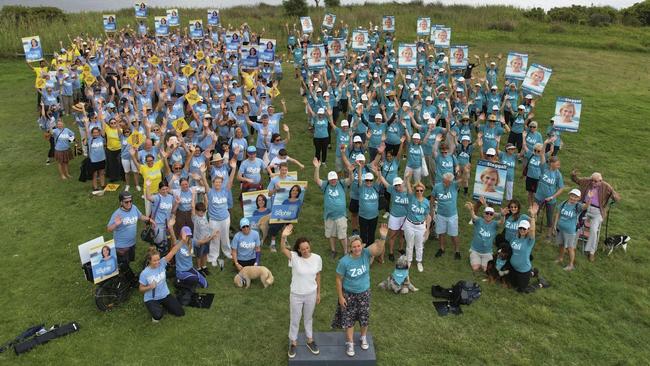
249 79
112 138
154 174
39 70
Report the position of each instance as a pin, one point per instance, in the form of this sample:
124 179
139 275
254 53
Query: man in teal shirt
334 210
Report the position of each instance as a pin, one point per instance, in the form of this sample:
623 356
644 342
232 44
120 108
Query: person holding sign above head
334 208
246 246
353 289
153 281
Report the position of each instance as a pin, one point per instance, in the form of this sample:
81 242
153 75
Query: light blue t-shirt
549 182
510 161
62 138
446 198
320 127
162 208
414 156
150 275
333 200
399 201
368 200
184 258
484 234
246 245
512 226
355 272
124 235
444 164
185 203
218 203
534 167
521 249
252 169
417 210
96 151
569 213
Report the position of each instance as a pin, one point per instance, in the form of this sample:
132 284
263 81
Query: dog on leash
616 241
247 274
399 275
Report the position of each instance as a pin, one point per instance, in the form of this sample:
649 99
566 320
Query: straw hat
79 107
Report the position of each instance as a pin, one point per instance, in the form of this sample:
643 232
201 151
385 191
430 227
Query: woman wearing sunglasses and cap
565 226
522 246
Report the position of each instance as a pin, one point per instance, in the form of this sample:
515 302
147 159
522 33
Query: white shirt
303 273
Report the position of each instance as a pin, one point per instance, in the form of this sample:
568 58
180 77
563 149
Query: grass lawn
598 314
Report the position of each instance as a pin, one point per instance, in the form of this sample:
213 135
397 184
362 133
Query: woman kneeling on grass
305 288
522 246
353 288
153 281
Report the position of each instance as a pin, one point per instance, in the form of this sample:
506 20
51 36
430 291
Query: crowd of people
183 122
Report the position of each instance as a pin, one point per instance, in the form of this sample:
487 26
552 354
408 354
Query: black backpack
465 292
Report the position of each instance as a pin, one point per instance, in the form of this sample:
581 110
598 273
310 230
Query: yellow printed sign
155 60
135 139
89 79
111 187
40 83
180 125
187 70
200 55
86 69
192 97
132 72
274 92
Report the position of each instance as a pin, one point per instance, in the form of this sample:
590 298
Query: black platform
332 351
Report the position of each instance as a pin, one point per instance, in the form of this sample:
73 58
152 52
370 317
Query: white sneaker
153 320
273 249
138 188
364 343
386 215
127 187
471 222
420 267
349 349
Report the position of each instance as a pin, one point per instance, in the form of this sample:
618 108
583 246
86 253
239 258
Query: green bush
599 20
565 15
295 7
25 15
639 11
556 28
503 25
332 3
536 14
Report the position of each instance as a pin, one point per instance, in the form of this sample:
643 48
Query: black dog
498 269
616 241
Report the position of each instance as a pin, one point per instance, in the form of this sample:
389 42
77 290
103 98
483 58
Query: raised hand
287 231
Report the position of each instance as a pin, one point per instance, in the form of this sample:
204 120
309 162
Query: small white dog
244 277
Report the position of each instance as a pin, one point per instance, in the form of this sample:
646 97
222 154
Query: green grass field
598 314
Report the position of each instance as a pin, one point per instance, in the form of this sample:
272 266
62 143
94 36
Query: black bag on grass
465 292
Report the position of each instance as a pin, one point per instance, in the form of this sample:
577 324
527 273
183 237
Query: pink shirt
595 199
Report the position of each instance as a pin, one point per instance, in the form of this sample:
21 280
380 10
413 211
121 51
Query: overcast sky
88 5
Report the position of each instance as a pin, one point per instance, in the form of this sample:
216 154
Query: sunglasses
419 190
129 201
513 207
489 213
522 228
245 226
156 130
538 151
177 168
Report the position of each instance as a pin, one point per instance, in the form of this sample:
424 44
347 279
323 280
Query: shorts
476 258
396 223
129 166
201 250
447 225
531 184
565 239
416 173
95 167
354 206
336 228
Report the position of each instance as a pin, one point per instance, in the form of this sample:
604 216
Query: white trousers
593 213
301 306
220 242
414 236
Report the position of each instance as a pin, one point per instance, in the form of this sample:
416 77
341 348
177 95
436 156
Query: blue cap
244 222
185 230
251 149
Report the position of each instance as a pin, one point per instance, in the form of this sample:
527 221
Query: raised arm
317 179
377 248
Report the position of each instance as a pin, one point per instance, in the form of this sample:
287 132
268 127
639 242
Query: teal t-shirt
569 213
342 138
389 169
484 233
398 202
377 131
512 226
368 201
521 249
446 198
394 132
509 161
417 210
549 182
444 164
333 200
414 156
534 167
320 127
355 272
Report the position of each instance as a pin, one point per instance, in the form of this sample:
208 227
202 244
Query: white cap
459 89
494 87
375 75
397 181
360 157
491 151
326 94
338 61
364 97
428 98
359 105
461 79
332 175
318 90
493 63
495 107
368 176
378 115
406 104
426 115
315 79
412 86
356 139
465 138
408 76
321 111
348 71
417 92
489 209
524 224
345 123
529 96
521 106
431 121
575 192
416 136
341 73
